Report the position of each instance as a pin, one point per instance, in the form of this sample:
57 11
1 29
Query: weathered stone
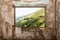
7 15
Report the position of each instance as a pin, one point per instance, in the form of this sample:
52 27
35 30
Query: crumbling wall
58 19
7 15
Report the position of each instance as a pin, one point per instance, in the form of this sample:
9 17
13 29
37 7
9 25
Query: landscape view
30 17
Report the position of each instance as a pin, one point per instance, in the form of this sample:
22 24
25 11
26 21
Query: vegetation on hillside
33 20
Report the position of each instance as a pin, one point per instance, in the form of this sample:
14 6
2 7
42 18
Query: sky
25 11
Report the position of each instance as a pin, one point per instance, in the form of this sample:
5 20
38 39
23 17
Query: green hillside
39 13
33 20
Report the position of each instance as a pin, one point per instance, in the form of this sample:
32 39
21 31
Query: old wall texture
58 21
7 16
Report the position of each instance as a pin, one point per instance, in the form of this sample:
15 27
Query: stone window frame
40 5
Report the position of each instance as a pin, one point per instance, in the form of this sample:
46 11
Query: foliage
36 20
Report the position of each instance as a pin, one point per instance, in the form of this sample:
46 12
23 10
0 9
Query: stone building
7 17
